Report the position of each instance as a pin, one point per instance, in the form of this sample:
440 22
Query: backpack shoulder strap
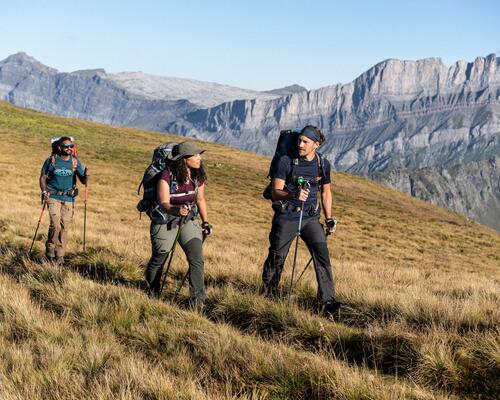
52 164
74 161
173 182
321 172
295 164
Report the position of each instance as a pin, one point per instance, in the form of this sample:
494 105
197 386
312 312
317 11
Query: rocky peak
427 76
287 90
24 61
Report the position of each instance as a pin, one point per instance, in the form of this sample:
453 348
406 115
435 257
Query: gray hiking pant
190 240
283 233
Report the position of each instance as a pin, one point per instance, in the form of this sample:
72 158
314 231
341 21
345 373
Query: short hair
63 139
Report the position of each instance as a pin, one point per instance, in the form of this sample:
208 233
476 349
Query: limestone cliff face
85 94
397 116
471 189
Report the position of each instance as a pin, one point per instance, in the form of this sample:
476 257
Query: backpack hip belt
73 192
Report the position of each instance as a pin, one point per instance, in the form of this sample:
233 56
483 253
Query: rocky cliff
85 94
471 189
397 116
409 114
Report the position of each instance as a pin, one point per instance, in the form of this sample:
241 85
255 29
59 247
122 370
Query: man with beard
58 186
295 187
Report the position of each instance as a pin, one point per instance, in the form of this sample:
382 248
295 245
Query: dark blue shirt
60 176
310 171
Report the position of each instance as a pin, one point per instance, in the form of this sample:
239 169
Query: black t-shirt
310 171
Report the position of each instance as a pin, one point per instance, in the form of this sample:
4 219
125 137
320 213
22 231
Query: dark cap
184 149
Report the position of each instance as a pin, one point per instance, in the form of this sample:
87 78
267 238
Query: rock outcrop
471 189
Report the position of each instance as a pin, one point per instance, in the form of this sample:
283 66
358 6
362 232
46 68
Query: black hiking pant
283 232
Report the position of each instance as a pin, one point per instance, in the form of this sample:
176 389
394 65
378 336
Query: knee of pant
320 250
55 221
194 250
158 258
277 258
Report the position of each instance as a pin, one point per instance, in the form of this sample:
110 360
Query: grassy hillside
422 284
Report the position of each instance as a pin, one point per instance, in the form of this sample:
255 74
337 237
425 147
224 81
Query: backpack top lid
287 145
159 162
162 151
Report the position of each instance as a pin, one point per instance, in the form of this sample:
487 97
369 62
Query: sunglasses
67 146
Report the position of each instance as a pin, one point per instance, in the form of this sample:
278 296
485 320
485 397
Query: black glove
331 225
207 228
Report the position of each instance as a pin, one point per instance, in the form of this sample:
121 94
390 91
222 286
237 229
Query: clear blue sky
251 44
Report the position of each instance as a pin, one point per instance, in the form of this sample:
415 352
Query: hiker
180 197
58 186
288 197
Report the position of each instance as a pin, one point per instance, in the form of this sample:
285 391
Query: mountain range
419 126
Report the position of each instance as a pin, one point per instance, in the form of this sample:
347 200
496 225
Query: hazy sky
251 44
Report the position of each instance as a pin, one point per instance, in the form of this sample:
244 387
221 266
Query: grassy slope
422 282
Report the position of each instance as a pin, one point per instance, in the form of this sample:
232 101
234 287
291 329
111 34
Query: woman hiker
180 198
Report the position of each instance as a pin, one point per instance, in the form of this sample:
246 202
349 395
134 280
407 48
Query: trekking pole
172 250
86 192
38 225
304 184
304 270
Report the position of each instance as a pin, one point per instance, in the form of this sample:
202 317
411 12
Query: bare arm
163 189
280 193
201 203
43 183
327 201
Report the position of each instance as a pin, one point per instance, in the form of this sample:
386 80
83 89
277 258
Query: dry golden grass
422 285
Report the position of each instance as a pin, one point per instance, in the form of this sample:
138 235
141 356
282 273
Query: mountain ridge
396 115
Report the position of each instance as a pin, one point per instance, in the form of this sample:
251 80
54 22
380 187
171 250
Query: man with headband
298 183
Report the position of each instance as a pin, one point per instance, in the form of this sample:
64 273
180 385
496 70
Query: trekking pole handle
304 185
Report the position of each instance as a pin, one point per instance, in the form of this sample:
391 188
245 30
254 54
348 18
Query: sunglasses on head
67 146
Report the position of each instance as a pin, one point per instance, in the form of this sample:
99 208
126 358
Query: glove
207 228
331 225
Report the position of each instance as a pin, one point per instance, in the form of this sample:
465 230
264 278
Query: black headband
311 133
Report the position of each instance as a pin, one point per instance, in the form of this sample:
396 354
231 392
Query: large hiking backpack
151 177
287 145
149 202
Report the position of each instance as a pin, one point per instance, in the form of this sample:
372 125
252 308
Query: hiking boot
331 308
269 292
50 254
198 307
